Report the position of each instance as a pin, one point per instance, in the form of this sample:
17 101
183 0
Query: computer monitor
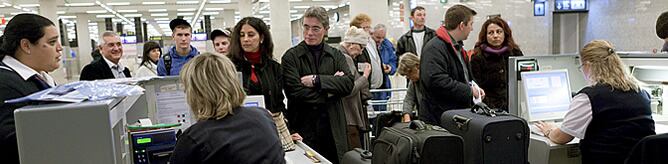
547 94
254 101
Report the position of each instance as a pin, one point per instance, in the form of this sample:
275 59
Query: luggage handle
417 125
461 122
482 109
363 153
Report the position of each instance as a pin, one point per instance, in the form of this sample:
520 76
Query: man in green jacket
316 77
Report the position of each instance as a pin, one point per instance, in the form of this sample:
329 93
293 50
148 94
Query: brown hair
458 14
605 66
507 33
359 19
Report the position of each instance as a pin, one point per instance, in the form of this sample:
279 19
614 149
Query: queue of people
327 87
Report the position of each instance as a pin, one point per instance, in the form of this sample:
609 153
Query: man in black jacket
444 69
109 66
415 39
316 78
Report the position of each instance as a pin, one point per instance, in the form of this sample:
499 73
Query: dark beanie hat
662 25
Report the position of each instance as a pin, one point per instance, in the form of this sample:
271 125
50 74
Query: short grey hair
319 13
379 26
106 34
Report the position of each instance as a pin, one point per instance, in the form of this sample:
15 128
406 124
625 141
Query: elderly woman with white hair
356 117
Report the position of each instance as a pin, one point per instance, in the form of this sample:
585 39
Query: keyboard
533 129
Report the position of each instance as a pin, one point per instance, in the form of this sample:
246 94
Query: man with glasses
109 66
316 77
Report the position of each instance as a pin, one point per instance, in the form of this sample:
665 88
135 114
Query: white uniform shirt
26 72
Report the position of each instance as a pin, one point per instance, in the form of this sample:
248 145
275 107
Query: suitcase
417 143
490 136
356 156
385 120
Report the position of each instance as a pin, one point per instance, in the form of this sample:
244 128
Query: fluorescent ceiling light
1 6
319 0
6 4
220 1
301 7
296 15
157 10
186 9
118 3
127 11
295 0
29 5
214 9
210 13
105 16
293 11
132 15
184 14
79 4
186 2
153 3
236 12
159 15
264 12
68 17
96 11
60 12
161 19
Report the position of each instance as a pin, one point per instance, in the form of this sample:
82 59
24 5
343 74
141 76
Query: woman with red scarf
251 51
489 62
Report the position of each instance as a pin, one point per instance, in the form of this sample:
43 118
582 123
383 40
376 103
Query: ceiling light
60 12
186 9
96 11
186 2
301 7
157 10
29 5
184 14
210 13
293 11
79 4
214 9
118 3
295 0
127 11
153 3
264 12
105 16
159 14
68 17
161 19
220 1
319 0
132 15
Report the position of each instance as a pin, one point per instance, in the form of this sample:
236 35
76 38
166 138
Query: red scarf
442 33
254 58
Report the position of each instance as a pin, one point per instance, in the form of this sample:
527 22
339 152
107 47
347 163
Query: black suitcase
417 143
489 136
356 156
385 120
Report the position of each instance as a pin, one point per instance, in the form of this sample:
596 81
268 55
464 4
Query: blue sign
539 8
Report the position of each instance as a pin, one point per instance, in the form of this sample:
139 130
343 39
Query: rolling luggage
356 156
490 136
417 143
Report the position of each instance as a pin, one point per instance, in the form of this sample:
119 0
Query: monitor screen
129 39
547 94
199 37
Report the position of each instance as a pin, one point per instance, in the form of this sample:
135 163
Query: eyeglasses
315 29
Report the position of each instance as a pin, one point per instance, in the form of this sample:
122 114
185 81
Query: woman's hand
296 137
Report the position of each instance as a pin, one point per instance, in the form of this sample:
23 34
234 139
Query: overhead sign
570 6
539 8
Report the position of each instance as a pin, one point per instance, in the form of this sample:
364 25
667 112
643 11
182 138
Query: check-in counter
298 156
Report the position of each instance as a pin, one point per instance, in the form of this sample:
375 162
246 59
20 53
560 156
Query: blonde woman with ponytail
610 115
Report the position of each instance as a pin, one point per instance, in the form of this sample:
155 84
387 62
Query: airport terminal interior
542 77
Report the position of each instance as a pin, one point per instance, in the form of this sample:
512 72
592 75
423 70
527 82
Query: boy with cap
170 64
221 40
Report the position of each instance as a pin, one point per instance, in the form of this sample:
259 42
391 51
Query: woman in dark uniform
29 49
610 115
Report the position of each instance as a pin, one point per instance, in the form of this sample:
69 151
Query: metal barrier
394 103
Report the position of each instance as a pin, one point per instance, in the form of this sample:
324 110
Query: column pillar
108 24
83 40
228 18
245 7
119 28
139 32
280 27
101 28
47 8
378 13
145 27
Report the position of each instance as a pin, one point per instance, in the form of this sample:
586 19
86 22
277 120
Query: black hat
178 22
662 25
219 32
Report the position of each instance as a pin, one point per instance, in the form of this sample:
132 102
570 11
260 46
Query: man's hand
296 137
477 92
308 80
367 70
339 73
387 68
406 118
